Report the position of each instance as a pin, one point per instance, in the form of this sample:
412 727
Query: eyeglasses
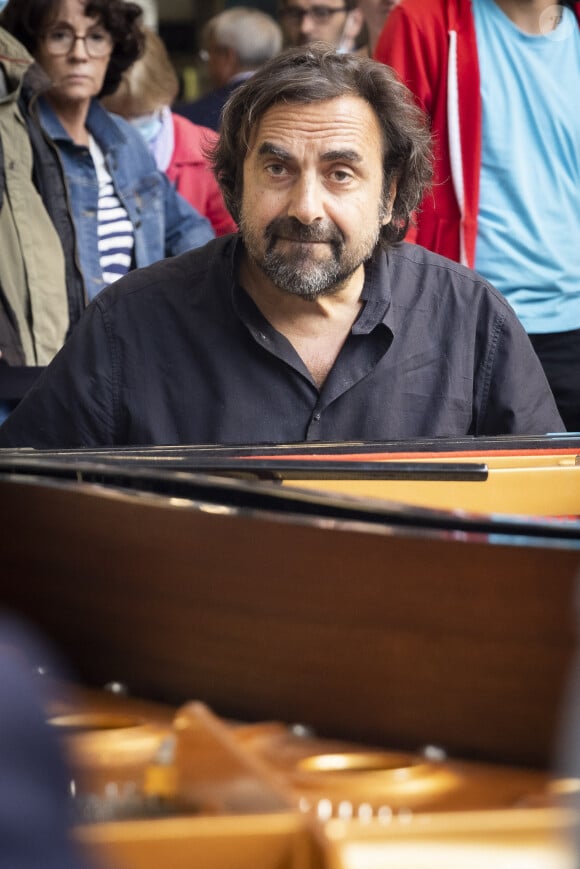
61 40
320 14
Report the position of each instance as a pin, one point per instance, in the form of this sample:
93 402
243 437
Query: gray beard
298 274
309 280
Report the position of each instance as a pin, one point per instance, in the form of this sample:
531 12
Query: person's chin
77 86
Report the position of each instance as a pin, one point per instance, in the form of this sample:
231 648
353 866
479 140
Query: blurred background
179 23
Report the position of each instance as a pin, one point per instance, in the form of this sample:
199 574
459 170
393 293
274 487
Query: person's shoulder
188 274
12 51
192 140
206 110
407 252
181 123
130 146
201 106
438 273
126 129
111 129
426 15
413 8
416 27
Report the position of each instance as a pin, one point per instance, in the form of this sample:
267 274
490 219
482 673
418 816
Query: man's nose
307 25
307 200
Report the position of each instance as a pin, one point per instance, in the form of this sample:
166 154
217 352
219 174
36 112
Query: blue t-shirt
528 242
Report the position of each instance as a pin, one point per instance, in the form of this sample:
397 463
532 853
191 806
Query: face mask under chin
148 125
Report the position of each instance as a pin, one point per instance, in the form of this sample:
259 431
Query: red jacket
191 173
432 45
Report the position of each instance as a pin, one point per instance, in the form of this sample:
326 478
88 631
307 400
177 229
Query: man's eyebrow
347 156
271 150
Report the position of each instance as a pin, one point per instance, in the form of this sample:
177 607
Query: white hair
150 13
252 34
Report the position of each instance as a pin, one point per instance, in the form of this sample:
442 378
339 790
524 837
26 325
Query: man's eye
321 13
59 35
340 175
97 37
276 169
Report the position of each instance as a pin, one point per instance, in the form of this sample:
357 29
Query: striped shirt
115 230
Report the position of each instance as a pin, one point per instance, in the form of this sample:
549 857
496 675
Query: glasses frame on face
319 14
97 51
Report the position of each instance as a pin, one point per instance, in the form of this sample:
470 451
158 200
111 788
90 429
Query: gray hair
253 35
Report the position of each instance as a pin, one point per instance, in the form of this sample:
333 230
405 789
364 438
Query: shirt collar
49 121
376 291
99 123
376 294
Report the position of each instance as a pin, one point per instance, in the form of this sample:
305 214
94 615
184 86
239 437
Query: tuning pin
345 810
365 812
384 814
302 731
116 688
324 810
405 816
433 753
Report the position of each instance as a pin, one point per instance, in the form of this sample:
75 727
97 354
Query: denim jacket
163 222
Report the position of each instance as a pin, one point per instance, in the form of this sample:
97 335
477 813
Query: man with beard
314 322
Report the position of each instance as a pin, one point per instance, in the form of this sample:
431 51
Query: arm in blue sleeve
185 228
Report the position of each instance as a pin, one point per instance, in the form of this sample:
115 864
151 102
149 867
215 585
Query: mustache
292 229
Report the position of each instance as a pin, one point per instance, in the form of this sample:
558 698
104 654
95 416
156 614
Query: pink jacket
432 45
191 173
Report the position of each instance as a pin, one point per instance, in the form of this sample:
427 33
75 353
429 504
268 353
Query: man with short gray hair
234 44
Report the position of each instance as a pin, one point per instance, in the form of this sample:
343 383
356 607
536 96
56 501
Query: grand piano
359 655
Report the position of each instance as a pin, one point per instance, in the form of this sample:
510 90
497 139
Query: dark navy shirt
178 353
207 110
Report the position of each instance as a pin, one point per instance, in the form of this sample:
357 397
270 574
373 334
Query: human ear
388 204
353 25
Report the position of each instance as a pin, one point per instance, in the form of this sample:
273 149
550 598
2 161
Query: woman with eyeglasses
126 213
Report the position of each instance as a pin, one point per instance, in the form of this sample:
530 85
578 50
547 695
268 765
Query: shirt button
316 416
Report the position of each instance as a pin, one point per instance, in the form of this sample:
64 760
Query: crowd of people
104 171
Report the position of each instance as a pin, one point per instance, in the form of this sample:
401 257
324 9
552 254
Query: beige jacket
33 300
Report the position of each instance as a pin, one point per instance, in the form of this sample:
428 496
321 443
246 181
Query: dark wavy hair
27 20
314 73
